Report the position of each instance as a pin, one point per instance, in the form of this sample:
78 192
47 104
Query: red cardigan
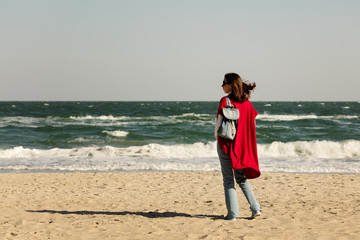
242 150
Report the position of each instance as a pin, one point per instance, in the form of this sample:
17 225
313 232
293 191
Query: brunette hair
240 90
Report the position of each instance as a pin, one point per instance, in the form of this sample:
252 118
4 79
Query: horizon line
175 101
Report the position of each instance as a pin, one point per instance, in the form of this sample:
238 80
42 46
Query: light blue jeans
228 174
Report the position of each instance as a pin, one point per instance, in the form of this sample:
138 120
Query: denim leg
229 185
247 190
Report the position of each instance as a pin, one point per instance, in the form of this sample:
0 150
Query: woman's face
226 87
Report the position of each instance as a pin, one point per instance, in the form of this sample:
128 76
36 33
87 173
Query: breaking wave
299 156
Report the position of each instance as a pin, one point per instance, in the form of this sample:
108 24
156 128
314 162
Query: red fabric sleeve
222 105
254 112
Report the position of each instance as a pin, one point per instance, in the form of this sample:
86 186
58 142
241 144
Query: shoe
230 218
255 214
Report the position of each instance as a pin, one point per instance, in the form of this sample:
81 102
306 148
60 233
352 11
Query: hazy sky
179 50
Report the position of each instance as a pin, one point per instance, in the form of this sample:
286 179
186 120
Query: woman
238 157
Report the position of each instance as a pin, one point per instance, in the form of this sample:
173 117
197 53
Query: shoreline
175 205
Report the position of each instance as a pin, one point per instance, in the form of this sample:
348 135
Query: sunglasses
224 83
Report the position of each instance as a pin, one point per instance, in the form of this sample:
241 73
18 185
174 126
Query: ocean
301 137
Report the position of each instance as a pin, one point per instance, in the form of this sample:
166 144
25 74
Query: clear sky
179 50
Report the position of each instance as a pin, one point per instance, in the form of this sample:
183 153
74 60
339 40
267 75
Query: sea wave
110 120
349 149
183 116
78 140
102 117
274 117
30 122
154 151
104 120
193 115
117 133
300 156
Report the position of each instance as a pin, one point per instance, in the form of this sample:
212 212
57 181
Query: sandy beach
175 205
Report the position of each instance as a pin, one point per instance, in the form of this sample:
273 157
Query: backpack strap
228 102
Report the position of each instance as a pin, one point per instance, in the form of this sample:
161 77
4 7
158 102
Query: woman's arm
218 124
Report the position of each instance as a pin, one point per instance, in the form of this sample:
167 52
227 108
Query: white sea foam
270 117
153 151
300 156
29 122
349 149
77 140
116 133
178 151
102 117
192 115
